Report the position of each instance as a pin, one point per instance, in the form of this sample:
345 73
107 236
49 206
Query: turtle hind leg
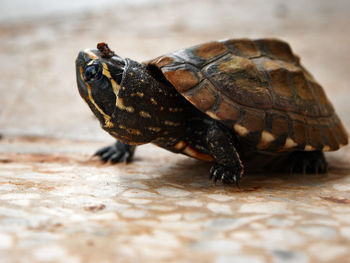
115 153
312 162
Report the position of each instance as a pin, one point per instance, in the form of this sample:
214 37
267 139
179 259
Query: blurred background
40 40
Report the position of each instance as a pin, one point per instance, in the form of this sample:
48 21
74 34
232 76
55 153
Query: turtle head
99 73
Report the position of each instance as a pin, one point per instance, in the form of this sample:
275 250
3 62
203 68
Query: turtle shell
258 89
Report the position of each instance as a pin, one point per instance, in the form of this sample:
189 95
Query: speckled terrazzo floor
68 207
58 204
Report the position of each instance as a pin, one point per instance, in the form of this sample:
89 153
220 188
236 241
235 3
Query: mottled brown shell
259 89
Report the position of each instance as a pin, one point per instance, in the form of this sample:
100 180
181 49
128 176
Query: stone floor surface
59 204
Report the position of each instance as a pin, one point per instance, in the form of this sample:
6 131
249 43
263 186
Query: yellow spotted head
99 73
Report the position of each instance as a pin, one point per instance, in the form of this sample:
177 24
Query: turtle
242 104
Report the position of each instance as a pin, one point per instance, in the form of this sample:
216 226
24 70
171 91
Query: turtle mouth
81 83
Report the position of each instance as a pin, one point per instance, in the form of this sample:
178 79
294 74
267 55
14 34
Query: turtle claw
116 153
102 151
308 162
227 175
215 174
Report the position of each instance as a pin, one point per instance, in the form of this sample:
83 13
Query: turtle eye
92 72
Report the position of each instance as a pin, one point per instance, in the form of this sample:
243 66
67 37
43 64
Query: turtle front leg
115 153
228 167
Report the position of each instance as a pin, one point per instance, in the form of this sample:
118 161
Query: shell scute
282 94
242 47
184 76
326 107
202 96
280 83
299 133
280 127
201 55
163 61
331 137
253 120
210 50
225 111
340 131
315 137
238 78
276 49
301 86
290 66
